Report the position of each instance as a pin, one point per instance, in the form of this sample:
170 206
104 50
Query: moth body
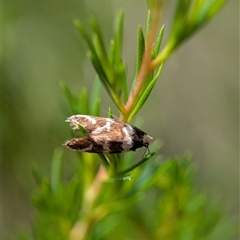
105 135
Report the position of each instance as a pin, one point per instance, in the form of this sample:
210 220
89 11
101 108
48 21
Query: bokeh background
193 108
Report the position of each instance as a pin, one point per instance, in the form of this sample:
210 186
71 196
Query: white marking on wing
105 128
127 140
73 123
90 119
106 147
127 143
128 130
87 148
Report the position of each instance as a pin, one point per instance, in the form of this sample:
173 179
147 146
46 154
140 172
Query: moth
105 135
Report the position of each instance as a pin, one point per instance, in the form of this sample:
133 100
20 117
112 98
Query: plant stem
81 228
162 57
146 66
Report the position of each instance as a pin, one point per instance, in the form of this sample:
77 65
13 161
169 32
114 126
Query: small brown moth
105 135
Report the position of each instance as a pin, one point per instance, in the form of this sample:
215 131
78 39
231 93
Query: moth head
147 139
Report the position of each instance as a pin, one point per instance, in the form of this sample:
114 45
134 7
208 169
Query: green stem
83 226
137 164
163 56
145 67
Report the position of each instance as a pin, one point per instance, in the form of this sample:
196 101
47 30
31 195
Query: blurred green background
193 108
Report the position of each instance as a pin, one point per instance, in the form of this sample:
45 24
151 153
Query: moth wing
100 143
82 144
112 143
90 123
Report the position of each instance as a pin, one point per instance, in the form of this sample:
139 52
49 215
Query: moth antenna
148 150
144 153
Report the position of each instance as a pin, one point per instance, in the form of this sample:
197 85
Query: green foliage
109 193
80 104
110 69
160 202
189 17
58 204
